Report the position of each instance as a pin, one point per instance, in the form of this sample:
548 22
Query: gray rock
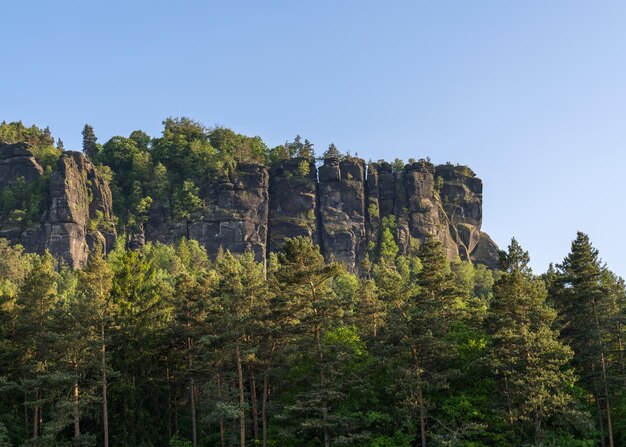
293 209
342 211
79 214
17 161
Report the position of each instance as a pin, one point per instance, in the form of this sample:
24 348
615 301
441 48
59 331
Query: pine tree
90 147
332 151
141 297
586 313
95 283
304 300
529 362
35 301
430 315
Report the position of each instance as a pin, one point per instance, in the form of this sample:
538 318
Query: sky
530 94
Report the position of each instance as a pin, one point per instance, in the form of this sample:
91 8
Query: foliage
170 348
40 141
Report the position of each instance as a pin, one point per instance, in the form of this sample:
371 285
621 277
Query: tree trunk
169 401
264 409
26 419
266 390
255 405
36 416
105 402
192 397
242 413
609 423
76 414
537 427
420 398
320 359
596 393
218 380
620 347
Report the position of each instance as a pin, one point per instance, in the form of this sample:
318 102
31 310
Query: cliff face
255 209
17 161
78 208
237 216
342 210
294 209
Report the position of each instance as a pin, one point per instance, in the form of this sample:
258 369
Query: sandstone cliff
341 206
77 214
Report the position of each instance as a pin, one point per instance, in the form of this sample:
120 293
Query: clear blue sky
530 94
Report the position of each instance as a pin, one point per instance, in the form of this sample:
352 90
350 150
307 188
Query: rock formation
342 210
341 206
294 207
78 213
17 161
236 218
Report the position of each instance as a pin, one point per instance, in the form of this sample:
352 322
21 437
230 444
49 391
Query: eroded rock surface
342 210
78 213
293 202
17 161
237 214
253 208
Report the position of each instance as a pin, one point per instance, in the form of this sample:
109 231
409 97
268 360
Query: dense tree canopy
162 346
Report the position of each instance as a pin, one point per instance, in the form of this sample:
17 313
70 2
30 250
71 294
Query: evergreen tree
95 283
90 145
35 301
529 362
586 313
310 308
332 151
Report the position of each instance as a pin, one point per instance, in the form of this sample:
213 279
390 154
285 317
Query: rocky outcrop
486 251
293 202
78 214
462 198
235 215
160 227
236 218
253 209
81 211
17 162
420 206
342 210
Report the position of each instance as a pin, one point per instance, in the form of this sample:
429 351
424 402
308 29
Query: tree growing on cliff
332 152
90 145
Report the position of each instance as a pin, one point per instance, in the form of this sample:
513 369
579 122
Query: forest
164 345
161 346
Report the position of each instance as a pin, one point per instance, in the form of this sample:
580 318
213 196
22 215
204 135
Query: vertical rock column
423 208
461 196
17 163
236 218
342 210
293 202
80 214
